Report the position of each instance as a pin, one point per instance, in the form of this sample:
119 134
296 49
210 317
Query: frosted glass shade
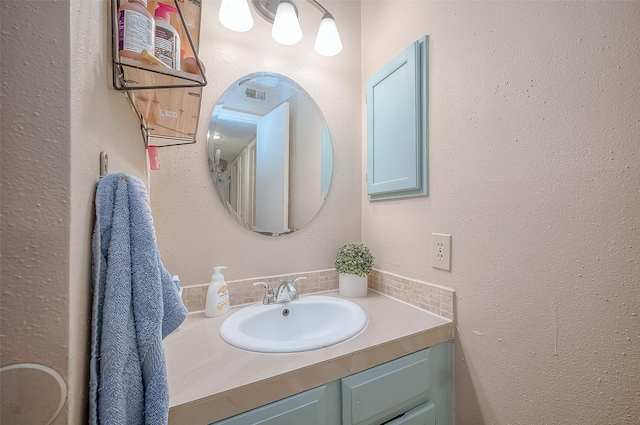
328 41
286 28
235 15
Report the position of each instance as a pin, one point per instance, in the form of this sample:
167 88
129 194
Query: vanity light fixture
283 14
328 39
286 28
235 15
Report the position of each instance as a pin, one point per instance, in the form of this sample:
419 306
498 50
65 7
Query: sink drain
285 312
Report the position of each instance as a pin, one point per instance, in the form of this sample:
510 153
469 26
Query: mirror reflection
269 154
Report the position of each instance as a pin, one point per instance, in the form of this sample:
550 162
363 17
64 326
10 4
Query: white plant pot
352 285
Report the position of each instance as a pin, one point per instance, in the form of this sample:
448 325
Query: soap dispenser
217 295
167 40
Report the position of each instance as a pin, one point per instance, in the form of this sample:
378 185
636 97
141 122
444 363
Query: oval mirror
269 154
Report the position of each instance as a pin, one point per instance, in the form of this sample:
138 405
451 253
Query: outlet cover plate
441 251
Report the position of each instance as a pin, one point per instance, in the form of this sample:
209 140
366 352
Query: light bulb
328 41
286 28
235 15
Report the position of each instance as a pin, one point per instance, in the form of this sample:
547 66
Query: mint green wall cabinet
413 390
397 148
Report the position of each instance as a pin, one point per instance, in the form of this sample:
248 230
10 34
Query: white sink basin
305 324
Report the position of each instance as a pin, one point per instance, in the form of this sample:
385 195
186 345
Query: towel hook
104 164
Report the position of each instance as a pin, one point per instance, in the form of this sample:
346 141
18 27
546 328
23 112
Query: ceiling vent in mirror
256 95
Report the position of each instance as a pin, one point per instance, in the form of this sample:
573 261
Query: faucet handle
269 296
297 279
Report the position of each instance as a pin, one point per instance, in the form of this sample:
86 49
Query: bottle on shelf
136 29
167 40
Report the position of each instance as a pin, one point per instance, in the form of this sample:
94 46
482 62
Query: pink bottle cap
163 10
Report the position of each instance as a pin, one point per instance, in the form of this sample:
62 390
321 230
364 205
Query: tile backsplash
243 292
428 296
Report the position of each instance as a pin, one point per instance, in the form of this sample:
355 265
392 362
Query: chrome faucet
287 291
269 296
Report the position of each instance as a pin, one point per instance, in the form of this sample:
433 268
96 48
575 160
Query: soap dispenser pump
217 295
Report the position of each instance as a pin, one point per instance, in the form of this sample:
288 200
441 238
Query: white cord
55 375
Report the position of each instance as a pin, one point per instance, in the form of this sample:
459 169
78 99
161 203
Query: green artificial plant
354 259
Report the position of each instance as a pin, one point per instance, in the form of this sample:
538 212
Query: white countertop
210 380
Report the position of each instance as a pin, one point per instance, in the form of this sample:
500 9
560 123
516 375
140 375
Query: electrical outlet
441 251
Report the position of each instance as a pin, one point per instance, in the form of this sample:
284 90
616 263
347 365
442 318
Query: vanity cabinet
412 390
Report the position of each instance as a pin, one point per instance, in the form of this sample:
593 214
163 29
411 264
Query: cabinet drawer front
425 414
307 408
377 393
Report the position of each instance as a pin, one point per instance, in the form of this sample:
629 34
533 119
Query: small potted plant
354 262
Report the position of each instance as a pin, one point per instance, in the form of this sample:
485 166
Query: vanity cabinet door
318 406
417 386
382 392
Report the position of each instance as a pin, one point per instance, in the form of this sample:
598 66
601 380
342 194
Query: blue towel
135 305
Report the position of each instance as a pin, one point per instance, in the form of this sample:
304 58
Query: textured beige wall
58 112
195 232
35 190
534 167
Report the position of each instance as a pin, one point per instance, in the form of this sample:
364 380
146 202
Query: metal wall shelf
166 101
